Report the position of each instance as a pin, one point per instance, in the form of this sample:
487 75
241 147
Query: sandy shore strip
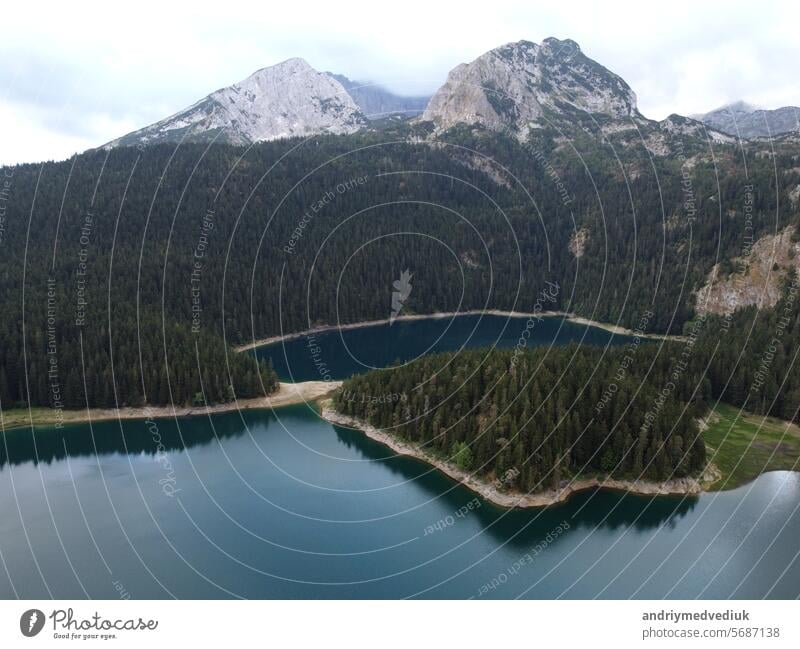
288 394
571 317
489 491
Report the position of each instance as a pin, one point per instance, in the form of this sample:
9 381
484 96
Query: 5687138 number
755 632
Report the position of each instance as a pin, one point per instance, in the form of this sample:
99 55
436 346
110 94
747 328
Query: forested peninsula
533 419
527 421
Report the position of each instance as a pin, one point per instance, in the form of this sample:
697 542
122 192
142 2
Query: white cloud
78 75
24 138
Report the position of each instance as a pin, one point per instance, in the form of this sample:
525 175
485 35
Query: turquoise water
285 505
282 504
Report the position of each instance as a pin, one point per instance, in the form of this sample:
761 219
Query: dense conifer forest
159 258
534 418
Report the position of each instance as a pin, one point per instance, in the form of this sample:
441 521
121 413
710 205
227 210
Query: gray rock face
742 120
680 125
284 100
758 280
523 85
377 102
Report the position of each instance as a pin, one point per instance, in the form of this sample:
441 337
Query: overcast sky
75 78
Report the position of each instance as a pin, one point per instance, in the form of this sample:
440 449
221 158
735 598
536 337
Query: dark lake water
341 353
281 504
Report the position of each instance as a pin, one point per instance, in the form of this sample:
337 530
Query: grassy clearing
743 445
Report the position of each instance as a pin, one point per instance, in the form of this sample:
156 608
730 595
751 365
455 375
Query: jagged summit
283 100
523 85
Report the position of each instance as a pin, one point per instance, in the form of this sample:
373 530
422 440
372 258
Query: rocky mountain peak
566 47
522 85
284 100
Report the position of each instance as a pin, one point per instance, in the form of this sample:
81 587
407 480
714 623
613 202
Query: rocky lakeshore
491 492
286 395
615 329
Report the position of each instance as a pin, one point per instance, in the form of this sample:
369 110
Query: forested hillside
159 258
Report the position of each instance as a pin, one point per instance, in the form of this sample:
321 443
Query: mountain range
519 87
746 121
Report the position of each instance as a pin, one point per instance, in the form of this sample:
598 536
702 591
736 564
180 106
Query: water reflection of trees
137 436
608 510
601 509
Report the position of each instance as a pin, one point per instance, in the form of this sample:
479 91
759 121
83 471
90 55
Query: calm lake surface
334 355
282 504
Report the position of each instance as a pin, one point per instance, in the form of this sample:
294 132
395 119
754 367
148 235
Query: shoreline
287 394
570 317
488 491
